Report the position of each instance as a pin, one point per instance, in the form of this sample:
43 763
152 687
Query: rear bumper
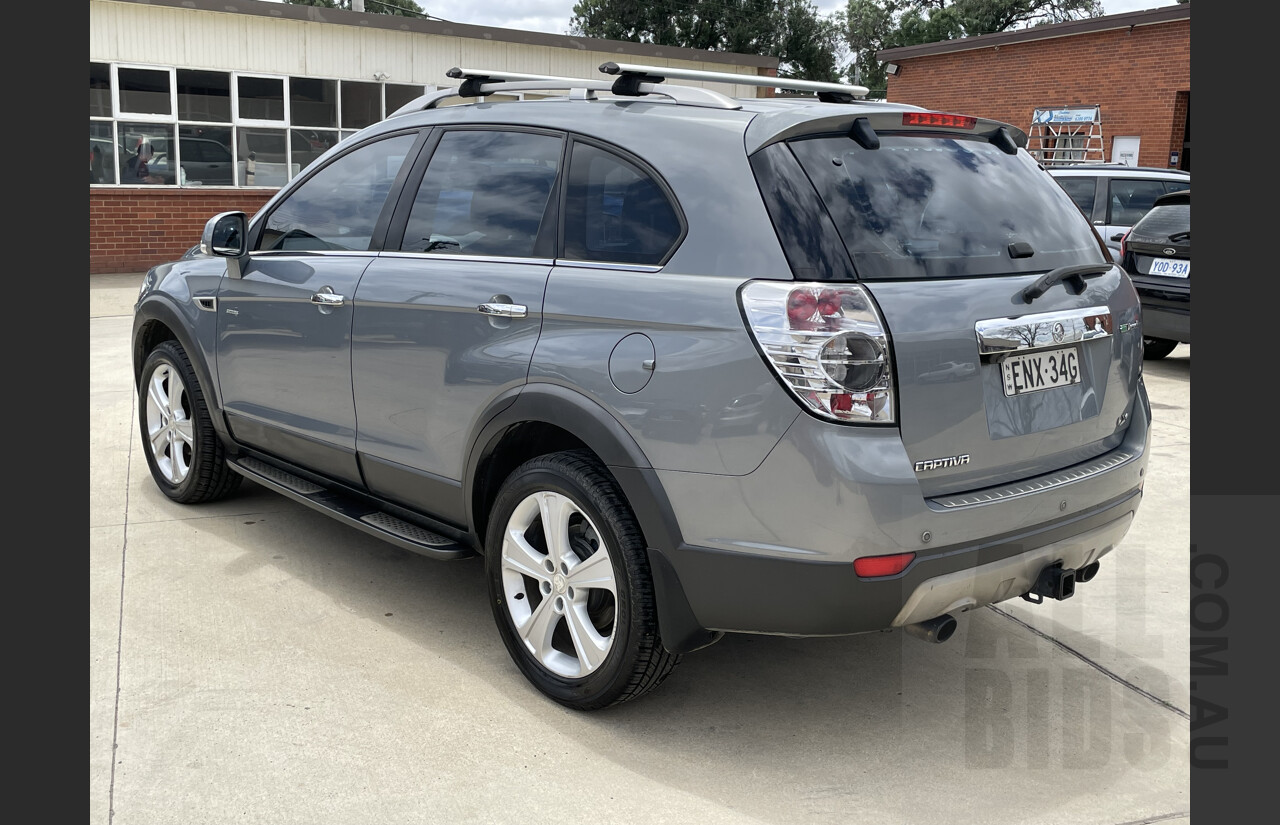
1165 322
776 554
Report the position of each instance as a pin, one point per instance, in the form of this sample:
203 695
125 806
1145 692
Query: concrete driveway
253 661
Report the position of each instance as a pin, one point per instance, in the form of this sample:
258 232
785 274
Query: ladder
1066 135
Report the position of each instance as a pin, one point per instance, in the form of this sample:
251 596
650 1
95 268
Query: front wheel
569 584
187 460
1156 348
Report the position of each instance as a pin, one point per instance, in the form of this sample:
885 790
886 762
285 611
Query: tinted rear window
1163 223
920 207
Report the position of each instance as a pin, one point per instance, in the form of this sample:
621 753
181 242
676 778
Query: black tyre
1156 348
569 584
186 457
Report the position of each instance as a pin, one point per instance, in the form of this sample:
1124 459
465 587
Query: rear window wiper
1073 275
1181 236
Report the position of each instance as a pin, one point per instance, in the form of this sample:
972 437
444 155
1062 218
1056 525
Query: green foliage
872 25
806 44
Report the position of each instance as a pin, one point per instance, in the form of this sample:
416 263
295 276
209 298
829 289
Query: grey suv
674 364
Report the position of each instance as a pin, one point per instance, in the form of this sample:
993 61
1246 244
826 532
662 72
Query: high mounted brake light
938 119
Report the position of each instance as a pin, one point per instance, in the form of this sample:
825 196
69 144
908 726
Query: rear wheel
187 460
569 584
1156 348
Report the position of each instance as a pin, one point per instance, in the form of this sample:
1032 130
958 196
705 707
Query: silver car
518 330
1114 197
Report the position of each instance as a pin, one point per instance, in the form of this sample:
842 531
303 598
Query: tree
872 25
399 8
806 44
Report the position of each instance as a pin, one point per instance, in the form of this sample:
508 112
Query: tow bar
1055 582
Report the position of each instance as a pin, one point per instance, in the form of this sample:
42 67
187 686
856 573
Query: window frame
118 112
385 220
237 120
549 229
645 167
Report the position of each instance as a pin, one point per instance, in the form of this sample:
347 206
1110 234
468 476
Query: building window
313 102
158 126
204 96
260 98
145 91
99 90
361 104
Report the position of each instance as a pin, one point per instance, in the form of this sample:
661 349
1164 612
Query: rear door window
485 192
616 211
1131 199
931 206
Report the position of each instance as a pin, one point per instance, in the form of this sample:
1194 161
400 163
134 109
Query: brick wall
1135 75
132 230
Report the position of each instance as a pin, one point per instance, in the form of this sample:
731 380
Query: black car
1156 253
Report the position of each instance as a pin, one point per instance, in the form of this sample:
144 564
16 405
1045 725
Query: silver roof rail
632 73
482 82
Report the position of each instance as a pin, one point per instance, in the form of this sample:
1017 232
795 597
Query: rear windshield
921 207
1164 222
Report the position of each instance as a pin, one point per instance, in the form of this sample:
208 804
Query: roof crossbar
482 82
629 74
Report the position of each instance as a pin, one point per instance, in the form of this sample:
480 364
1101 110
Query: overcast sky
553 15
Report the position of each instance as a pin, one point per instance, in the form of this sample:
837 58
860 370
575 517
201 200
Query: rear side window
616 212
1081 191
338 207
1131 199
485 192
929 206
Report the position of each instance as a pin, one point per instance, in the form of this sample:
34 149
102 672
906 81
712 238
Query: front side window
615 211
338 208
932 206
484 193
1081 191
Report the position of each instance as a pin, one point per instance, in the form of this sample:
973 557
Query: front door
284 326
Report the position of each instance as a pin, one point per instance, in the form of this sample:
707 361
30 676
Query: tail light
1123 240
827 344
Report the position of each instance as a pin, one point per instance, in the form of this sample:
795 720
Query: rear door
446 319
947 232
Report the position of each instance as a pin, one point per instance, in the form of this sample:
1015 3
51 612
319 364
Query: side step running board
351 511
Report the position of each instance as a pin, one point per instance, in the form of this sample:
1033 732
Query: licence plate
1170 268
1042 370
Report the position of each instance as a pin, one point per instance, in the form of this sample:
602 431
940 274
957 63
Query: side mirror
226 236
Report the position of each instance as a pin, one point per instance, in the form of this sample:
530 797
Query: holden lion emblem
1059 332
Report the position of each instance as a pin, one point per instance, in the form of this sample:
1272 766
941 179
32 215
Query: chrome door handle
326 300
504 310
